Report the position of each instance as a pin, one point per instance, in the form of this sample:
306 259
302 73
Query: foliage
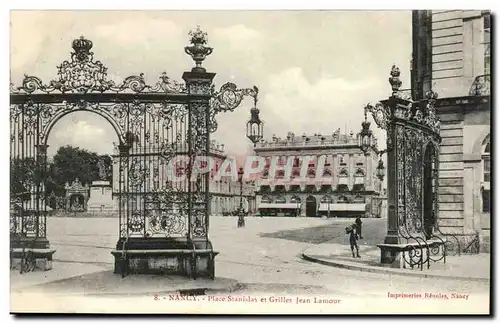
68 164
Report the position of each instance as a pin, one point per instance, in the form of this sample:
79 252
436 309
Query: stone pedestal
390 258
101 197
164 256
28 254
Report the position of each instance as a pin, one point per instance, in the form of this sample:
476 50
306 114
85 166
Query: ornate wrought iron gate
155 124
413 164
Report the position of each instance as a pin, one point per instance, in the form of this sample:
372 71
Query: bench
398 255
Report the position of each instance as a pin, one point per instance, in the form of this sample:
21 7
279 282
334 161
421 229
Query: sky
315 70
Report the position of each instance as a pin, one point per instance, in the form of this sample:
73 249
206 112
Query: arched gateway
163 225
414 236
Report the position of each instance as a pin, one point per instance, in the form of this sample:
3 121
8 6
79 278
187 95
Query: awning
342 207
279 206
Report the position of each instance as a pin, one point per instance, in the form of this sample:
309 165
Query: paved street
263 257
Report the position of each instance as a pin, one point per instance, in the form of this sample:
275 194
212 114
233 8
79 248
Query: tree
70 163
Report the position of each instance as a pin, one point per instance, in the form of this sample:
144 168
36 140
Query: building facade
451 56
340 180
224 190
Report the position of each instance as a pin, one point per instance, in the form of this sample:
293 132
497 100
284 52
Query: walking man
358 225
353 239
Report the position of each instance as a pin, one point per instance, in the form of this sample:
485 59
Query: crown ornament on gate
398 107
198 51
82 74
82 47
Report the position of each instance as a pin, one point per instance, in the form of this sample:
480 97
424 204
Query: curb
198 291
343 265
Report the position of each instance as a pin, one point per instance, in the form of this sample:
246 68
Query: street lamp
241 211
380 170
365 137
255 126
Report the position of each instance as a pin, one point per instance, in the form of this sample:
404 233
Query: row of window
312 173
323 200
296 161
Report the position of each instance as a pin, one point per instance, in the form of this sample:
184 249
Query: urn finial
198 51
394 79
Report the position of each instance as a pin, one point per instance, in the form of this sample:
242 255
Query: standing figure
358 225
353 239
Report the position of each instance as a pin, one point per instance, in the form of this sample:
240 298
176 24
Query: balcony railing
310 142
480 86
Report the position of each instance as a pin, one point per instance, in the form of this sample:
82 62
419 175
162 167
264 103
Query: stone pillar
469 218
392 236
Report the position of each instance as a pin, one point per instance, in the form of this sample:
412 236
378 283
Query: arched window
311 173
296 200
486 164
295 173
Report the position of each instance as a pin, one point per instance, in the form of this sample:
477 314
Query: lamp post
365 137
380 169
241 211
255 126
255 133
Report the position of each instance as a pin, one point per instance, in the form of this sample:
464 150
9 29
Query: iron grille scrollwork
154 124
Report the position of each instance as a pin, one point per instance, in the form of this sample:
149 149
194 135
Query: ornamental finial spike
394 79
198 51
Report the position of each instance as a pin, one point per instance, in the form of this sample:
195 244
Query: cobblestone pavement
264 257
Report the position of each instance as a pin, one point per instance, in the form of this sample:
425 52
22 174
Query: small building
340 180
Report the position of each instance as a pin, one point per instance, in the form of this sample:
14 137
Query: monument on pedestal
76 196
101 195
